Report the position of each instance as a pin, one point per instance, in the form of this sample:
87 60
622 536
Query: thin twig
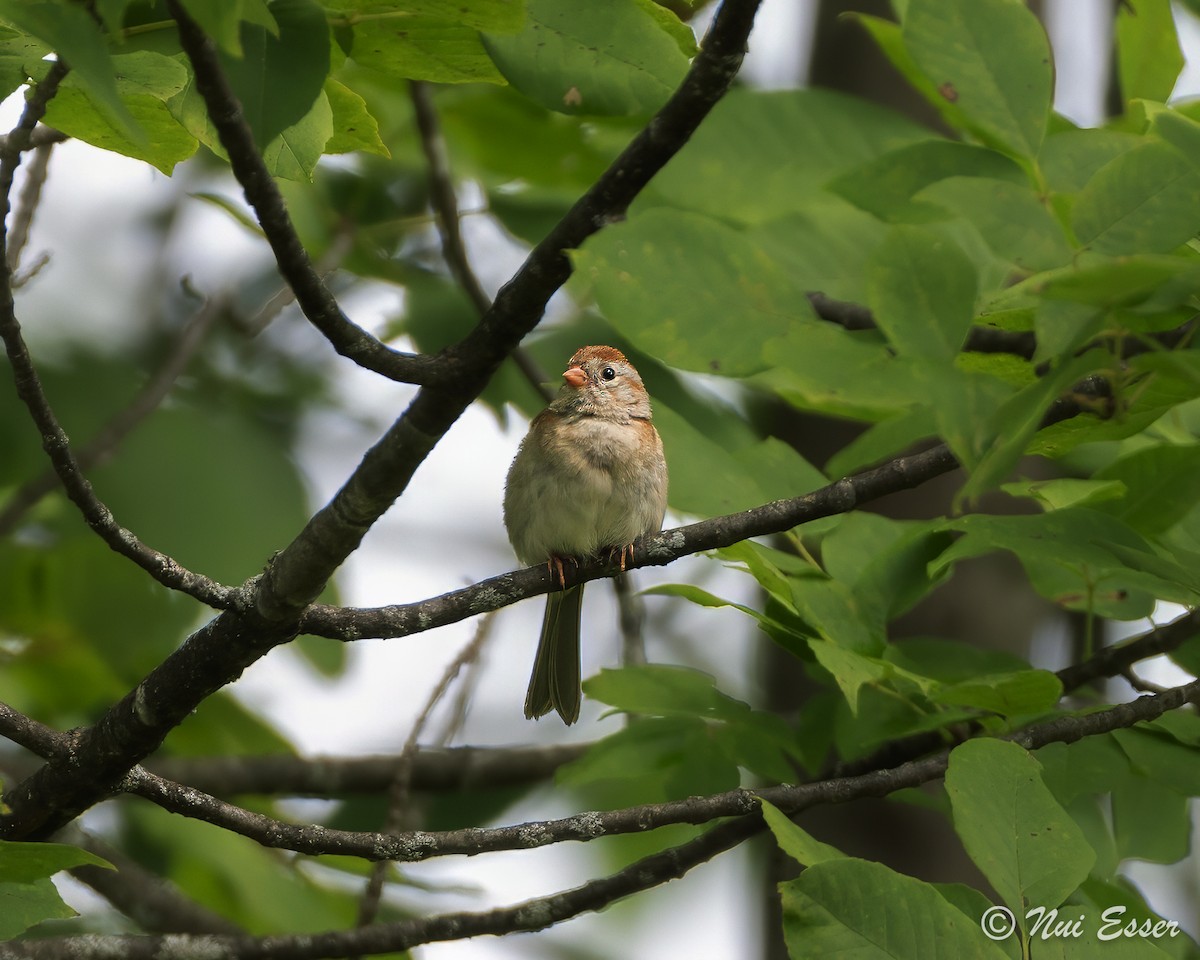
400 788
314 298
27 204
449 223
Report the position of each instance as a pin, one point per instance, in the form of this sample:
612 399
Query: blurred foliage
1018 221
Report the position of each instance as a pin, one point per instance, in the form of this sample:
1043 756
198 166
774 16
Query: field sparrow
589 477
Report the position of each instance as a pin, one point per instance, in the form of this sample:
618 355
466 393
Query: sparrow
589 478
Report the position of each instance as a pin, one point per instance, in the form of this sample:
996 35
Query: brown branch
152 902
163 568
27 204
313 296
646 873
419 845
529 916
269 607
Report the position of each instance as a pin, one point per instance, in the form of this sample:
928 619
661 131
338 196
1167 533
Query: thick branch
217 654
312 295
422 845
299 572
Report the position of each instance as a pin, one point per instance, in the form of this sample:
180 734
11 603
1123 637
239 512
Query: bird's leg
555 566
621 555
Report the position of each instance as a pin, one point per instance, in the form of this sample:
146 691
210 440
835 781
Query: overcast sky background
449 525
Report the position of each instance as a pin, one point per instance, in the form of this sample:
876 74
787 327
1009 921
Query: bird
589 478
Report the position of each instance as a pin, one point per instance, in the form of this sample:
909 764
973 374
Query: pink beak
575 377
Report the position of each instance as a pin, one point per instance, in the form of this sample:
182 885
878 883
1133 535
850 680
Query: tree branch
445 208
529 916
646 873
268 608
163 568
313 296
150 901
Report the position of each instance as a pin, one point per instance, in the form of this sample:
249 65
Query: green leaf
949 661
885 561
1014 830
856 908
656 759
1010 217
499 15
887 185
796 842
715 298
922 292
353 126
715 473
1161 758
883 441
991 59
74 34
1161 485
1028 692
719 176
1144 201
824 246
1064 492
888 36
27 862
850 670
279 77
24 904
660 690
1075 557
423 48
1150 820
145 81
16 50
1148 56
293 154
1122 281
612 58
1071 158
27 896
823 367
250 483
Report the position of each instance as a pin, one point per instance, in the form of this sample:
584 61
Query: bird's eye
608 373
